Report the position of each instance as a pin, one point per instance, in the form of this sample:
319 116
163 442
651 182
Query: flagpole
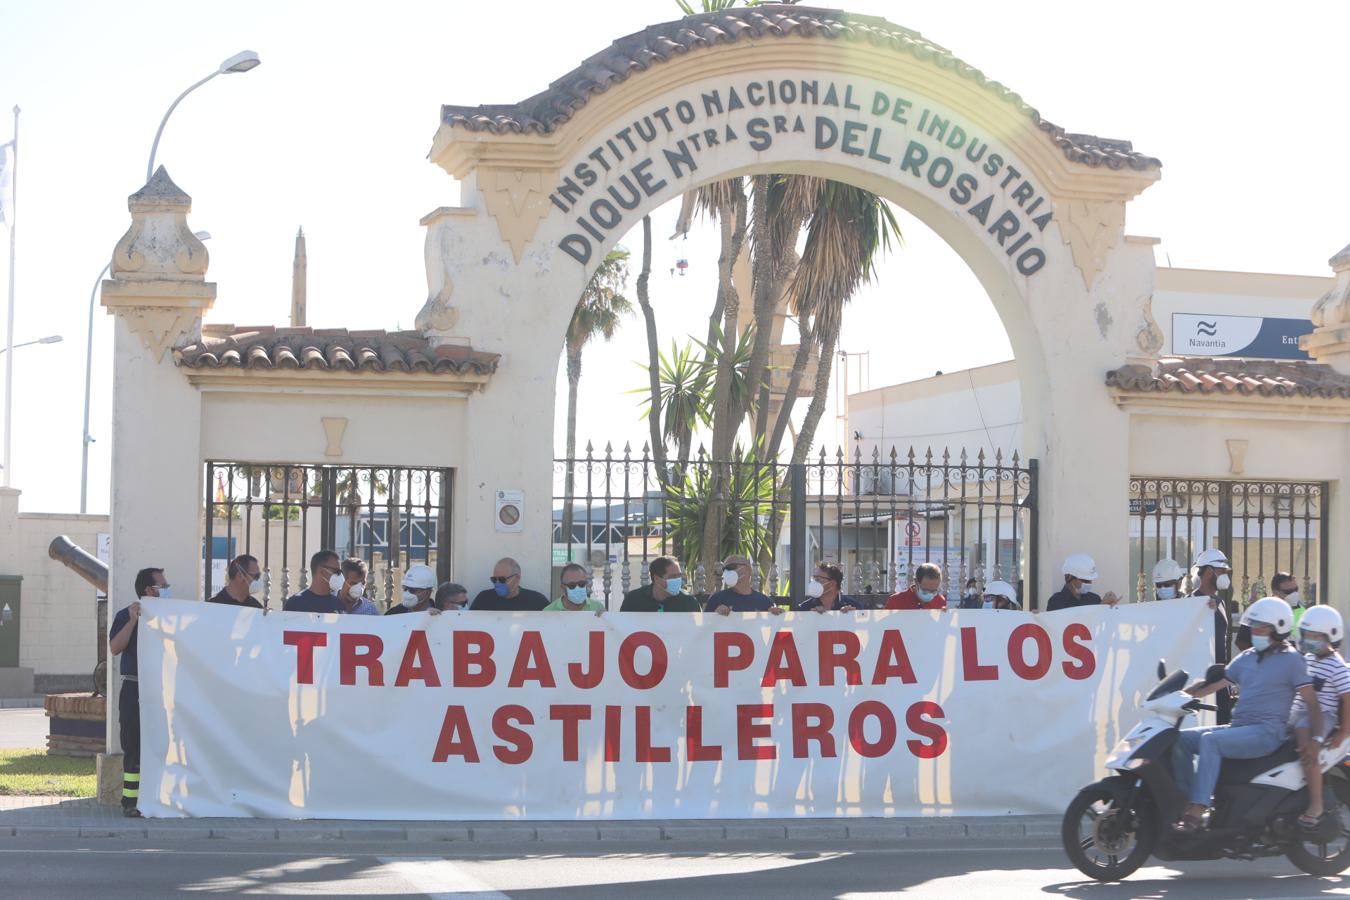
9 317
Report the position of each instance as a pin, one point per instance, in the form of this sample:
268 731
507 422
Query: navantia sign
541 716
803 118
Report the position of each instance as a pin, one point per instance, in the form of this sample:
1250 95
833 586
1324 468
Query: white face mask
336 581
409 598
730 577
1294 599
1223 583
814 589
357 590
255 586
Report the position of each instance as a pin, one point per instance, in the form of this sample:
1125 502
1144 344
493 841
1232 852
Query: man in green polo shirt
664 594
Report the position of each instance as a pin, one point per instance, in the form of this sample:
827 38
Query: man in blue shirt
737 595
319 596
122 642
824 592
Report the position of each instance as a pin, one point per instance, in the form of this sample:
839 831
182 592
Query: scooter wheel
1327 852
1104 841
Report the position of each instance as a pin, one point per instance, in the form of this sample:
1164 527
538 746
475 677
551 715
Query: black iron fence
1264 527
876 517
390 517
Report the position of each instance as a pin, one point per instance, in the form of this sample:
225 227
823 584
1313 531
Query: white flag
7 184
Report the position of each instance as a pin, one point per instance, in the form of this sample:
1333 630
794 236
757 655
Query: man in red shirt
925 593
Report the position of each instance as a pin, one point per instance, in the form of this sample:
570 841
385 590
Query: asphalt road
63 868
23 728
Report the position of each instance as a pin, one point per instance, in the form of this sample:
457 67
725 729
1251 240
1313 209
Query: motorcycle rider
1167 575
1270 675
1211 576
1320 632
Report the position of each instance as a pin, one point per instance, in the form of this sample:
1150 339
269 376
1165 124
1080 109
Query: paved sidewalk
55 816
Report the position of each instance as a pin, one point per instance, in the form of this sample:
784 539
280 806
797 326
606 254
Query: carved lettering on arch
1092 228
515 198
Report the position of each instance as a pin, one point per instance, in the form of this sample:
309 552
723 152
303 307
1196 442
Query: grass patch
29 773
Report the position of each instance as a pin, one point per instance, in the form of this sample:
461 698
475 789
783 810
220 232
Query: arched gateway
551 183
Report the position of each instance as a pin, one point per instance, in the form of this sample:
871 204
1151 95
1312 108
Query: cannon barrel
78 560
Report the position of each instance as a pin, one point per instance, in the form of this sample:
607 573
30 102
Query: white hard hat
1325 620
1000 589
1081 566
419 577
1168 570
1215 558
1270 611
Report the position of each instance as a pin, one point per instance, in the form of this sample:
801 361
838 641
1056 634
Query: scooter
1112 826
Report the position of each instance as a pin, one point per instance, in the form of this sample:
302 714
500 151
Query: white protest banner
480 715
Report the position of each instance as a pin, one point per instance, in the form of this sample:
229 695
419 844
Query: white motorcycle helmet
1324 620
1270 611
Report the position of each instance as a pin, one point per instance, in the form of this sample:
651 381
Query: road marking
440 879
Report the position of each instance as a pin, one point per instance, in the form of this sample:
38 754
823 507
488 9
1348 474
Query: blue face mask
926 596
576 594
501 589
674 585
1260 642
1312 645
1167 593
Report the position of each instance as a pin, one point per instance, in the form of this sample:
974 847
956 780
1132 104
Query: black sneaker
130 812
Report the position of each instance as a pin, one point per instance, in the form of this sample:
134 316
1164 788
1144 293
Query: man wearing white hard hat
1000 595
1211 572
1167 575
1080 571
419 582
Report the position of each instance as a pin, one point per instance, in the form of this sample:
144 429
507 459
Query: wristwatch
1319 739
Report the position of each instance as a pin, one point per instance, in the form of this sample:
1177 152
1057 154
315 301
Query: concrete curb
930 831
21 702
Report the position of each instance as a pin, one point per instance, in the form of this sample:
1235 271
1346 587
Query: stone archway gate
549 184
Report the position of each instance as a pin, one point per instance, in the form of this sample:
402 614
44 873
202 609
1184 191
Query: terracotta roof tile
637 52
1243 377
328 349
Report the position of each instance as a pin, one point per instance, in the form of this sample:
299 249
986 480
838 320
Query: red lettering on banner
481 656
812 722
784 663
304 643
893 660
570 714
936 744
417 663
456 737
858 718
747 730
970 659
839 650
531 662
660 660
1074 636
646 753
520 746
723 662
589 678
694 748
1017 645
613 721
370 647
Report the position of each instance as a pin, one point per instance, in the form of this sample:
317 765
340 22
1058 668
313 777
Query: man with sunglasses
576 592
506 594
319 596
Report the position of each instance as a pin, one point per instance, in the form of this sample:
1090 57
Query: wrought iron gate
389 517
1264 527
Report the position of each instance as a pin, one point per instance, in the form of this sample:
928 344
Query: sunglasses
497 579
575 584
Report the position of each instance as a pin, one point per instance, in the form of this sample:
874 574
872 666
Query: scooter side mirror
1215 673
1162 669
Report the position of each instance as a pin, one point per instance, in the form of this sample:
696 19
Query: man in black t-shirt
319 597
245 579
122 642
506 593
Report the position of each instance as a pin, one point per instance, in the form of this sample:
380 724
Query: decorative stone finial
159 246
1330 341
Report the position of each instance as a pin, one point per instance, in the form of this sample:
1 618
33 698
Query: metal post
443 567
797 533
9 326
1324 541
88 372
1033 598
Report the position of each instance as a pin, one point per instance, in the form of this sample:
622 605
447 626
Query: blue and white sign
1255 337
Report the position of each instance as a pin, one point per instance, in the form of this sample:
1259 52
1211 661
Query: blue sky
1243 103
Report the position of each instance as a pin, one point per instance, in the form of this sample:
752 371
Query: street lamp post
240 62
49 339
88 374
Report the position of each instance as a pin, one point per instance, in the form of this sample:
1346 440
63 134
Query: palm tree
598 314
681 402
